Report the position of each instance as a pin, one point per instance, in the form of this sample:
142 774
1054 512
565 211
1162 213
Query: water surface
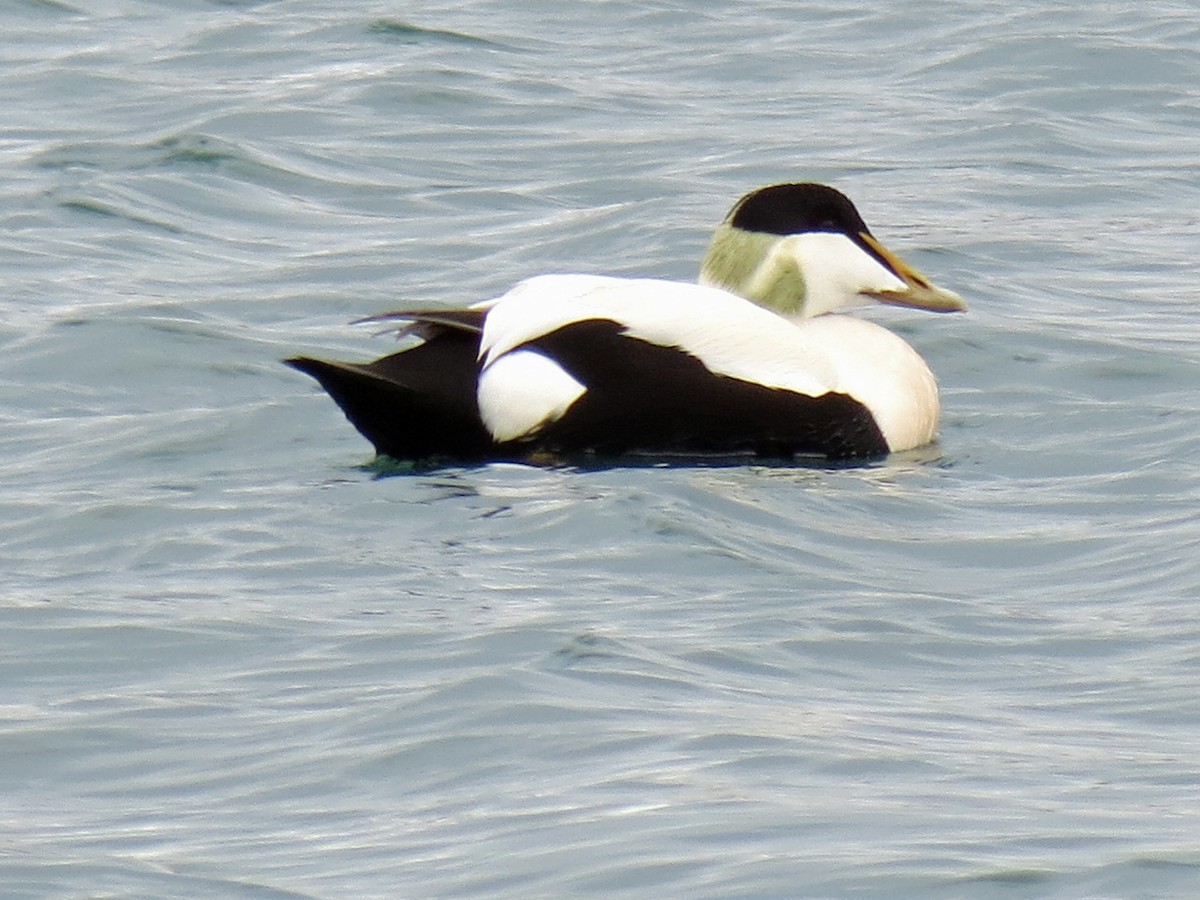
238 662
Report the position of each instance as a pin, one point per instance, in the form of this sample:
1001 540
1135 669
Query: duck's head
804 250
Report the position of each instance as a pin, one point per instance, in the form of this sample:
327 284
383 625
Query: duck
756 358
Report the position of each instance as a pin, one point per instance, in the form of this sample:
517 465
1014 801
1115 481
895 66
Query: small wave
100 208
408 33
185 147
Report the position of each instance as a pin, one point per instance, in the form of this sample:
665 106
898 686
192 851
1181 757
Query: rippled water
239 662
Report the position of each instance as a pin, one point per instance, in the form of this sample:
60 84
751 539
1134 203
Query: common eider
752 360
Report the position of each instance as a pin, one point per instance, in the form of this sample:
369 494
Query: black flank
642 397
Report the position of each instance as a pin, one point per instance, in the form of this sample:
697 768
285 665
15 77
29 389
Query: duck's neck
751 265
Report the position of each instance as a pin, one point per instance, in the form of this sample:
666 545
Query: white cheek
521 391
837 271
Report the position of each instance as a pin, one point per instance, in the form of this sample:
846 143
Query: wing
427 323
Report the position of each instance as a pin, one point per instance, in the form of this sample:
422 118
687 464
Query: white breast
884 373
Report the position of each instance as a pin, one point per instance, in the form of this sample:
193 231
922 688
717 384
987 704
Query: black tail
416 404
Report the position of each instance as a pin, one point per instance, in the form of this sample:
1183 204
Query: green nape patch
745 263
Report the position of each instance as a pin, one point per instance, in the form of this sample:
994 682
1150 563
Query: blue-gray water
237 663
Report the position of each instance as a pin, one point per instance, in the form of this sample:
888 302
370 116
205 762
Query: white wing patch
520 392
536 307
